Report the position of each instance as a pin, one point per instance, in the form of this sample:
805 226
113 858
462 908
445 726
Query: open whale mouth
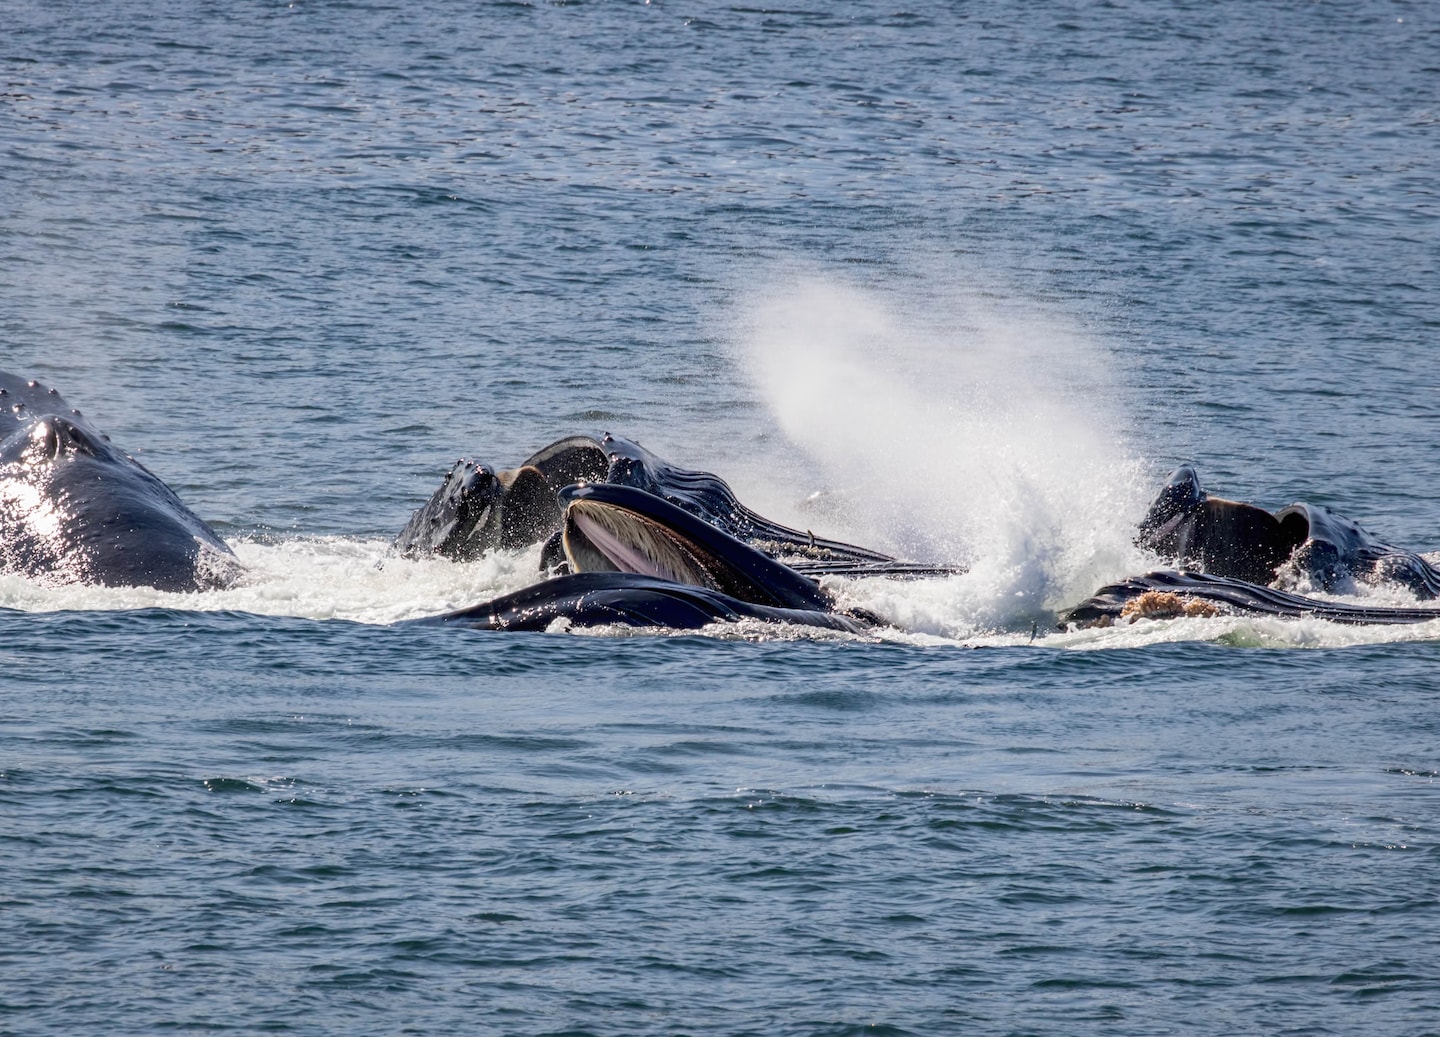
612 528
600 537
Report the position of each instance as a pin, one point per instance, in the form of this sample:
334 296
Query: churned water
961 281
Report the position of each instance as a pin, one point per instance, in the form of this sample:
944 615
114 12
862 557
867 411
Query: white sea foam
952 430
311 578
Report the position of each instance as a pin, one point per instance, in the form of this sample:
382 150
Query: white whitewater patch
949 430
310 578
1244 632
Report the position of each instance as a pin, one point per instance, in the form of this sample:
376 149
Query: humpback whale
477 509
1242 558
635 559
631 539
75 509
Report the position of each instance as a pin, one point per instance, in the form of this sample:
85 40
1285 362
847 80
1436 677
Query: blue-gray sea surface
960 280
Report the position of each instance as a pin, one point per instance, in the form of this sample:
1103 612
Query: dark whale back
477 509
75 509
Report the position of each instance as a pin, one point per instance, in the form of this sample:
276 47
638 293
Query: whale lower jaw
616 599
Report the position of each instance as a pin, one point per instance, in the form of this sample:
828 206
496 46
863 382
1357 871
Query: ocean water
962 281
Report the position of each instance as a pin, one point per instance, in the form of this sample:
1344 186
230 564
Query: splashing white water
310 578
964 434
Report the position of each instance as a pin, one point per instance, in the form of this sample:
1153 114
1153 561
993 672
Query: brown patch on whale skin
1166 605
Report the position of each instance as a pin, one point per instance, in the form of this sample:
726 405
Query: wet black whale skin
75 509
